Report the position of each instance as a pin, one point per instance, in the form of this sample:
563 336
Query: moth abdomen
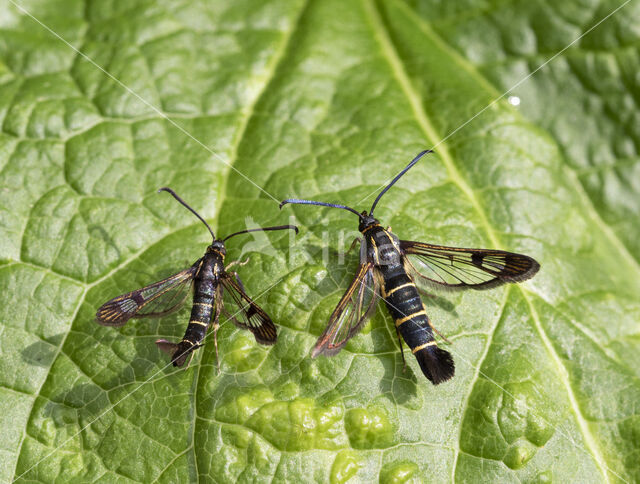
436 363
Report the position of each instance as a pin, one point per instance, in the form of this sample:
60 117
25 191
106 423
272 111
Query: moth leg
404 362
238 263
215 323
353 244
191 356
238 280
389 228
435 330
447 340
215 344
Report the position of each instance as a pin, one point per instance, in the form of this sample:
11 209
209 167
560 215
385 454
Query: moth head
367 220
218 247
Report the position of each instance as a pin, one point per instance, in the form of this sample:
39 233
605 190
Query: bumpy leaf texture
326 100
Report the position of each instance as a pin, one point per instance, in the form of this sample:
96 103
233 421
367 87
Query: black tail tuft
436 364
178 351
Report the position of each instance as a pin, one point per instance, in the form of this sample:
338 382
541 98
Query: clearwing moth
389 268
209 278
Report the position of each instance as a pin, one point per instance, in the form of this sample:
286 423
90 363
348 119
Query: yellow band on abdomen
209 305
421 347
387 294
407 318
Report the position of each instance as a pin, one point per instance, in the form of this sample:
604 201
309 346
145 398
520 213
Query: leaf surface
239 105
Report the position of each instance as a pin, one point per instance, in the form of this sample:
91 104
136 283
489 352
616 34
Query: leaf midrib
390 54
478 371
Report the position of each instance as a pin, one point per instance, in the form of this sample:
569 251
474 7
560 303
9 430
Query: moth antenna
266 229
175 195
398 176
322 204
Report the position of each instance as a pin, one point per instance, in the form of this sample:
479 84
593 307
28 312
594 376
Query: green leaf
233 103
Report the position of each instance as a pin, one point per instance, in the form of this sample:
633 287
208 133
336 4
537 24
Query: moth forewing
154 300
456 268
370 289
352 311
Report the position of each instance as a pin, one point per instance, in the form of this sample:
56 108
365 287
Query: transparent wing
454 268
248 314
350 314
154 300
